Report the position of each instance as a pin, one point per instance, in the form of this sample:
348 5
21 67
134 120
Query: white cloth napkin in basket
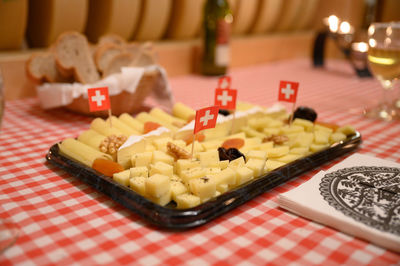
359 196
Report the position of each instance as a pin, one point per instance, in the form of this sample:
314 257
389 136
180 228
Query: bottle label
222 43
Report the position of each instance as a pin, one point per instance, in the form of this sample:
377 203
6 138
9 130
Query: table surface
64 221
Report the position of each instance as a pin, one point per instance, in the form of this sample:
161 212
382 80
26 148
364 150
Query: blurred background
262 30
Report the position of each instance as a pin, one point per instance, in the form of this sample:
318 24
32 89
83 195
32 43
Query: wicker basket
153 79
124 102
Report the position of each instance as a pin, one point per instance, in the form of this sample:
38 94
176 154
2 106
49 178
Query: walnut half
111 144
177 152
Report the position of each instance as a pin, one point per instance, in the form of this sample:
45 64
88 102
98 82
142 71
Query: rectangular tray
170 218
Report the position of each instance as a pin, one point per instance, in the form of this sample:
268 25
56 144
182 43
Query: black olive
305 113
234 153
224 112
222 154
229 154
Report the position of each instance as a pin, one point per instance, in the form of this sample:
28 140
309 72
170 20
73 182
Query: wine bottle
217 19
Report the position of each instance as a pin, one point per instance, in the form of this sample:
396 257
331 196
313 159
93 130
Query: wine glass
384 62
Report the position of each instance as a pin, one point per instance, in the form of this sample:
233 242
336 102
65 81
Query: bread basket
127 90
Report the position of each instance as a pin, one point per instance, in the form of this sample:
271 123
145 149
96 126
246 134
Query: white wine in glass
384 62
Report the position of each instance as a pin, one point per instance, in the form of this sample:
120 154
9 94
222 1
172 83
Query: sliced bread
117 62
41 67
105 53
72 54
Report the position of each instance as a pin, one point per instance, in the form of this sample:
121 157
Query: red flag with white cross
288 91
98 99
224 82
225 98
205 118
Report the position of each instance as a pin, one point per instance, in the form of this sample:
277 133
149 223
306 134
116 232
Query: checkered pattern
63 221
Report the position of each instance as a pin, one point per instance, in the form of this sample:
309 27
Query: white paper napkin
53 95
359 196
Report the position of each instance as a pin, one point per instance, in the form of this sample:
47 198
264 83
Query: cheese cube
185 164
257 166
288 158
306 124
222 188
122 177
259 123
150 147
211 144
161 168
161 143
177 188
251 144
198 147
278 151
210 171
160 156
223 164
142 159
347 130
250 132
255 154
303 139
275 123
299 150
139 171
318 127
163 199
266 145
192 173
203 187
138 184
157 185
238 162
337 137
226 176
321 137
243 175
291 129
273 164
271 131
185 201
209 158
318 147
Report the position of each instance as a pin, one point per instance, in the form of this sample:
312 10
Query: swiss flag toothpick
224 82
225 98
98 99
205 118
288 91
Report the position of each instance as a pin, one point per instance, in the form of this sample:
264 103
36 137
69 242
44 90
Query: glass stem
387 88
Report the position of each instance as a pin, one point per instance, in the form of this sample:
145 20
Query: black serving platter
171 218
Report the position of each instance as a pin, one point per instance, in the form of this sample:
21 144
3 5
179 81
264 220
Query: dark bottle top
217 20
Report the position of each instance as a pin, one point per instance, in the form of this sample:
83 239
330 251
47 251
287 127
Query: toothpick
194 137
109 116
291 116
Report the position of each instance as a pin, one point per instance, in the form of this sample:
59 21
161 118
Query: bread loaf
41 67
73 55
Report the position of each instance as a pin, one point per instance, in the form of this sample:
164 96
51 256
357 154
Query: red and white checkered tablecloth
64 221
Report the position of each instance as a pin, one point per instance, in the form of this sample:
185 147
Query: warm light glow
360 47
388 41
371 30
372 42
333 23
345 27
389 31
